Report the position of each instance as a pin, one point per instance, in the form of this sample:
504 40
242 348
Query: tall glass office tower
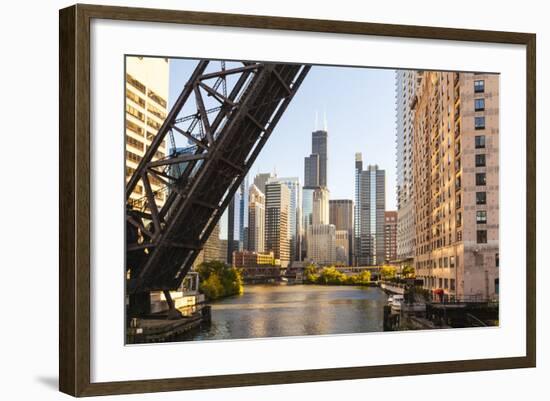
370 198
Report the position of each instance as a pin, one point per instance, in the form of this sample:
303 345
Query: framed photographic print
250 200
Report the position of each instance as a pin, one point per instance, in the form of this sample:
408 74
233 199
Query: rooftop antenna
325 126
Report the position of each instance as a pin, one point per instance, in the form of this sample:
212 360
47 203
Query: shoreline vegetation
219 280
331 276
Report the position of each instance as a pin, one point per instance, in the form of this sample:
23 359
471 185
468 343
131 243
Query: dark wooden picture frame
74 203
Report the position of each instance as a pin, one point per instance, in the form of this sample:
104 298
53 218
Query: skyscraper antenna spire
325 126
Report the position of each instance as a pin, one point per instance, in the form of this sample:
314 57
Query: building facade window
479 122
479 104
481 217
135 98
480 141
156 111
153 124
134 127
134 143
497 260
135 83
481 198
152 95
479 86
480 160
481 179
481 236
133 157
452 261
135 112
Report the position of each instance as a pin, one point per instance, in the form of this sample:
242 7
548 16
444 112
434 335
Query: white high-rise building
295 216
370 208
321 244
342 247
256 220
406 82
146 109
277 211
320 214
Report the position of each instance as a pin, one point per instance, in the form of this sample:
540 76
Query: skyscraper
390 235
341 215
256 220
311 170
307 216
320 213
315 165
370 207
456 184
233 225
319 146
146 108
342 247
243 214
277 210
212 249
406 83
294 219
321 244
261 179
357 209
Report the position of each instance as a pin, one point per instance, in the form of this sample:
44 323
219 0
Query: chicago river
295 310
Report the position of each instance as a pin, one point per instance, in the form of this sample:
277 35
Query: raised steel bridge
226 112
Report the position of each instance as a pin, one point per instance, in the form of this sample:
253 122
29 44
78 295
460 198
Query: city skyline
205 223
366 124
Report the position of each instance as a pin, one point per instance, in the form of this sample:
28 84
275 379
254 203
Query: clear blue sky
360 111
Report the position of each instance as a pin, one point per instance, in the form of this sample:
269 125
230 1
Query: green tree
387 272
408 272
362 278
330 275
310 274
217 280
212 287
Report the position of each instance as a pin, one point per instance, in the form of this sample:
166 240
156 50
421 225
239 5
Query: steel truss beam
233 113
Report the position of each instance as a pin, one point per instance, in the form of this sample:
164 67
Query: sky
359 105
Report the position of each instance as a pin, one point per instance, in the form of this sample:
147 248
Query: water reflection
295 310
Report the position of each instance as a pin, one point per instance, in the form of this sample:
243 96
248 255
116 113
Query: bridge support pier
139 304
173 313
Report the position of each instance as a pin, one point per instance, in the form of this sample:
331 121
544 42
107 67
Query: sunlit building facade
256 220
456 180
341 215
406 82
390 235
370 206
146 90
277 211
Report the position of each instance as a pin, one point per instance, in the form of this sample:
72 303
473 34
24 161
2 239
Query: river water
295 310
